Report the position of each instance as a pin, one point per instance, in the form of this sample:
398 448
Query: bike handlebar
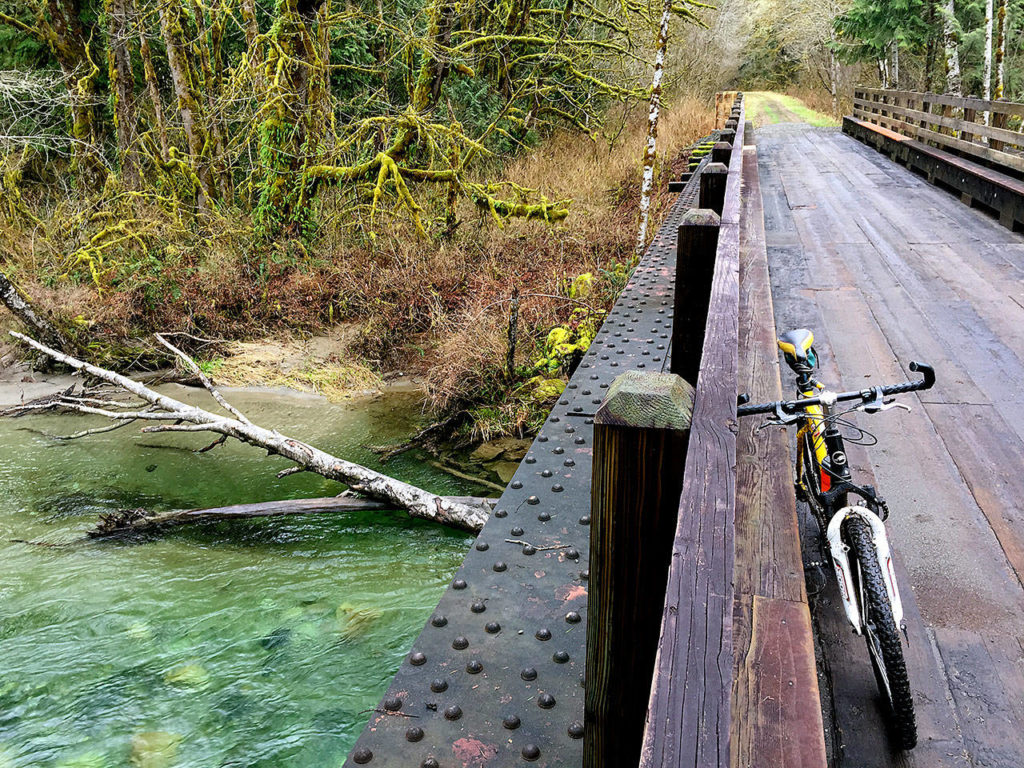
791 406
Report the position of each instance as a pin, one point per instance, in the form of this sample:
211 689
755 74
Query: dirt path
770 108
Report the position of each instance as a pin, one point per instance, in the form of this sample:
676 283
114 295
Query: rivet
579 441
529 549
531 752
474 667
478 606
544 516
563 402
459 584
482 546
414 734
501 513
516 484
430 762
439 685
528 674
542 438
573 617
557 488
516 531
554 419
585 392
576 730
585 520
392 703
543 634
572 553
585 575
560 657
439 621
530 459
454 712
545 701
417 658
511 722
569 429
499 566
493 627
558 451
460 643
362 756
569 462
533 500
546 473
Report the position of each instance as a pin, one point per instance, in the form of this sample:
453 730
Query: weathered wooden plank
689 710
781 724
986 675
966 128
961 102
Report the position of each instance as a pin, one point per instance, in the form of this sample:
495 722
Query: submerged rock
84 760
504 469
155 749
192 675
354 621
277 638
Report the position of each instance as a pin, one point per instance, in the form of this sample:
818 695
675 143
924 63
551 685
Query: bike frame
831 500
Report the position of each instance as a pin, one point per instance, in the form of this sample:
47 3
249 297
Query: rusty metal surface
496 676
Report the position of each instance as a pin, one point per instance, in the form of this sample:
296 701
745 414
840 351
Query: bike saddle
797 348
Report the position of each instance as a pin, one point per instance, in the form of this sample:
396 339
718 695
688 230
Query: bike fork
844 571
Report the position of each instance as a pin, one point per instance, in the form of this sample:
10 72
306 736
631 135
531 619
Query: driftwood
128 520
169 415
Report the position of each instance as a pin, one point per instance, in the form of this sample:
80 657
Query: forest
455 189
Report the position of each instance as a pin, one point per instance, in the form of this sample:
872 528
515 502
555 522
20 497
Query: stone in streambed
154 749
486 451
354 621
504 469
192 675
276 639
84 760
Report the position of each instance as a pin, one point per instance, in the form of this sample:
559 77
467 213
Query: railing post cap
722 145
701 217
727 134
648 401
716 168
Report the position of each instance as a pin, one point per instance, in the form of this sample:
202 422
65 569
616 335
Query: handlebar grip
750 410
913 386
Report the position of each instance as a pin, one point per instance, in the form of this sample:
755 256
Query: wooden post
695 264
640 436
727 134
712 187
970 116
721 152
998 121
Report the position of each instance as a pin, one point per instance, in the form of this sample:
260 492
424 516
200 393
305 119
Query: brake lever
878 403
780 418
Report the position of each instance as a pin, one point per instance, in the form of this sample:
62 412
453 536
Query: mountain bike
851 515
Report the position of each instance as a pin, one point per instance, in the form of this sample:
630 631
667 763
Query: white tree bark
895 64
21 309
650 150
179 417
953 80
988 57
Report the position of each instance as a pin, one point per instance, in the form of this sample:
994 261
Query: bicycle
870 595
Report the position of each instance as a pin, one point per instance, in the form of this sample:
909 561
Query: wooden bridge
702 630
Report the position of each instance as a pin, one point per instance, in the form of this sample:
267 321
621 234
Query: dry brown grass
428 305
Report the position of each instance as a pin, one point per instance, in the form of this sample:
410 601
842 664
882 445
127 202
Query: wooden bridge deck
886 268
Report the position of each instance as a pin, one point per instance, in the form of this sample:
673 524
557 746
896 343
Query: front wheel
883 636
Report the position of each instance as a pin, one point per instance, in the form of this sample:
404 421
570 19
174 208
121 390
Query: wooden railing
952 123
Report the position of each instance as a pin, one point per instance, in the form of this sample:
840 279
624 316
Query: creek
249 644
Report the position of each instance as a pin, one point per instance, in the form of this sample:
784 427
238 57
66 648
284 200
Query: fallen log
129 520
23 310
175 416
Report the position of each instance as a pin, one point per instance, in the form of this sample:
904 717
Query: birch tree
1000 49
987 77
950 39
650 148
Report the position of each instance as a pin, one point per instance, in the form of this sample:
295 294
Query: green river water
246 644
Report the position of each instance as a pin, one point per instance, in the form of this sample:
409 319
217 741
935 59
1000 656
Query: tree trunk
188 105
953 81
153 88
833 84
1000 49
929 54
650 150
170 415
23 310
895 64
122 86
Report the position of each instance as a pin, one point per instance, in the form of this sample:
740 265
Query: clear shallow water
254 643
